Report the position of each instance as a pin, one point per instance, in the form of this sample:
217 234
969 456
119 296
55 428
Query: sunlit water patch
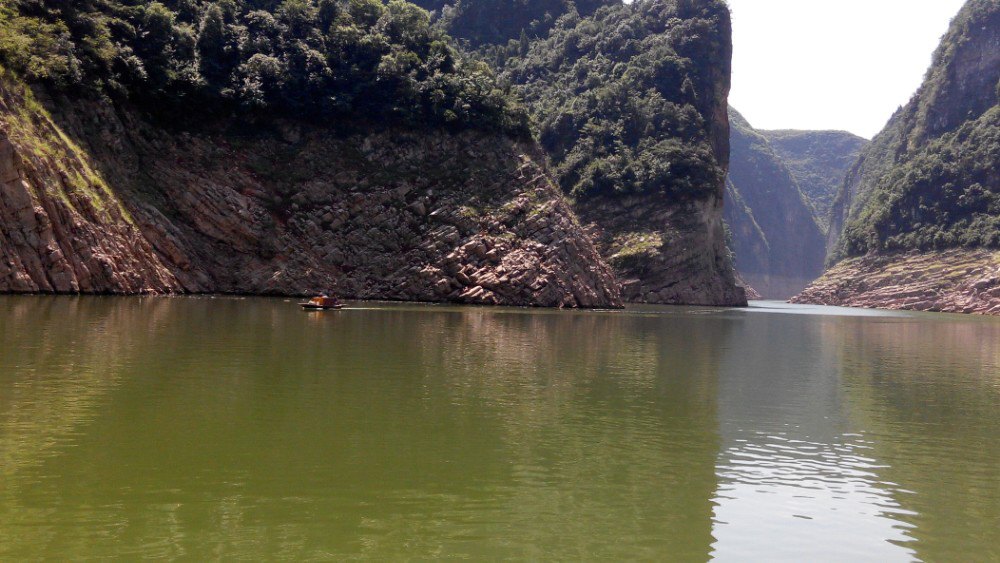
807 493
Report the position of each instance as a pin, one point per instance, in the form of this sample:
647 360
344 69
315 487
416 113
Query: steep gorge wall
426 215
691 263
667 254
778 245
959 88
923 200
631 105
97 200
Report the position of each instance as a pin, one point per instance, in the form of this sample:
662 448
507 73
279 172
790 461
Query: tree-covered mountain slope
928 183
819 162
630 106
272 147
495 22
325 60
926 180
778 246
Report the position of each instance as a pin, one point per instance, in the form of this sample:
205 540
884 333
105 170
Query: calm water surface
243 428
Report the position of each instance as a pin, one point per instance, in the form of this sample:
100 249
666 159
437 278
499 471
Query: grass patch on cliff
633 250
32 129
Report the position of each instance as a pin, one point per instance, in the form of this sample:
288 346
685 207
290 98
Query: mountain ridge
819 161
927 184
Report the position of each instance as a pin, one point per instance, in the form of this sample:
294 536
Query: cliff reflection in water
227 427
61 361
60 358
928 391
607 425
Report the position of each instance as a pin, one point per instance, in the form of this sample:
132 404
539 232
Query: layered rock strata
665 254
96 200
953 281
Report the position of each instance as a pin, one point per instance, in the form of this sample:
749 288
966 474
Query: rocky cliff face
923 200
779 247
62 228
819 162
632 111
97 200
671 250
668 254
953 281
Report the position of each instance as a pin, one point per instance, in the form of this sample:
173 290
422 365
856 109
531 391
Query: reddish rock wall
95 200
954 281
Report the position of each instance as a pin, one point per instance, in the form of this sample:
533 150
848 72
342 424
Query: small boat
322 303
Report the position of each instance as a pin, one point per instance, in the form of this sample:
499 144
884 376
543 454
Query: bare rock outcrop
952 281
96 200
670 253
60 228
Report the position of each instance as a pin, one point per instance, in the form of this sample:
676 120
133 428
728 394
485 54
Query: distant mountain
778 246
923 200
819 162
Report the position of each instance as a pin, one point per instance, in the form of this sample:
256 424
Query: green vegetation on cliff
497 21
626 101
944 195
929 180
819 162
319 59
629 104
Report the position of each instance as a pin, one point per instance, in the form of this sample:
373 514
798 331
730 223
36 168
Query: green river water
229 428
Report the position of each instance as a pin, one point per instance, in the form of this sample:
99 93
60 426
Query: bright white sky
832 64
